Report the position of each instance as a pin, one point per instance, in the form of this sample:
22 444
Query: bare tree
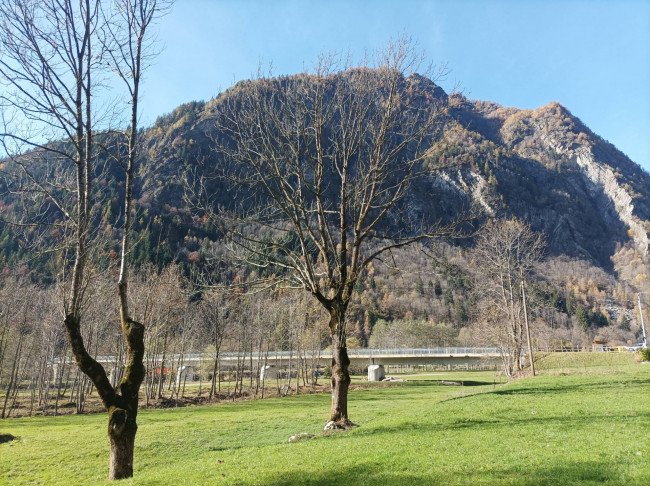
324 162
213 313
53 59
159 301
506 252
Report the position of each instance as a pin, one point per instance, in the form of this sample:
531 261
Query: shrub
643 355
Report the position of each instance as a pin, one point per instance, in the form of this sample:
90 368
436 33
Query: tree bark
340 371
121 404
340 386
122 428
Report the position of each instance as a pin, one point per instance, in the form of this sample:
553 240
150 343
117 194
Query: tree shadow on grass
496 423
438 383
376 473
564 387
406 393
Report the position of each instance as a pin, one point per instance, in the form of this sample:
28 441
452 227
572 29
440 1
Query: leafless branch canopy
323 163
54 56
506 252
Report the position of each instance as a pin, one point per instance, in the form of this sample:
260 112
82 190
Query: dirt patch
6 438
93 404
451 383
177 402
301 436
370 384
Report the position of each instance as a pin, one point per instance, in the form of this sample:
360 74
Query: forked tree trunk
120 402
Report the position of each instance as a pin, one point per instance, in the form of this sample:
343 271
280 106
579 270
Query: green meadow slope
578 423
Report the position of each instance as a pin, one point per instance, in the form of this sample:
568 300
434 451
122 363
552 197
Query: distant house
599 345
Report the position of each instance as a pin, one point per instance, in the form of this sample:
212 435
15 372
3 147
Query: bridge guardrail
446 351
353 353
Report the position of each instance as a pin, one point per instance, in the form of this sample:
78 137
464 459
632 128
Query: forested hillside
543 168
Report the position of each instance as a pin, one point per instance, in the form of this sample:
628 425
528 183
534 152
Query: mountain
543 166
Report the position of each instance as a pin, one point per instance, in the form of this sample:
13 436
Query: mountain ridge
543 166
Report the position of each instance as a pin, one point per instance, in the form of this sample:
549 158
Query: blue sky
591 56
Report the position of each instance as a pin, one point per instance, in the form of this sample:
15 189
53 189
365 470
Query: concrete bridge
358 357
393 360
421 356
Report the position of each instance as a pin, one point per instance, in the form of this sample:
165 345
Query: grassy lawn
585 424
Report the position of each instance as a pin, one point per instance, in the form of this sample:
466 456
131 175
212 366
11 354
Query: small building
184 373
376 373
268 372
599 345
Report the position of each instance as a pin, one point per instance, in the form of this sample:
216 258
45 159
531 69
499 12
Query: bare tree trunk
340 370
122 408
258 367
47 372
340 386
180 362
290 359
121 433
314 367
530 346
213 383
277 375
161 382
218 377
201 373
59 382
266 358
81 394
152 364
3 347
74 385
20 375
32 388
12 376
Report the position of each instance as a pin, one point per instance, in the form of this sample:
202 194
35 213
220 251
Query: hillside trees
506 252
54 59
408 333
322 163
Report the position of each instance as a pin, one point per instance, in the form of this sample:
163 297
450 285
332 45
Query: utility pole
645 342
530 347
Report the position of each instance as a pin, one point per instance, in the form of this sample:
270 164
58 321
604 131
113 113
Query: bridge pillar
376 372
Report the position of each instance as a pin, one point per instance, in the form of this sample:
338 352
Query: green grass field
586 424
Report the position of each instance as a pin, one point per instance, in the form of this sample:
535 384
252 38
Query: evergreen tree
461 313
437 288
419 286
449 296
582 318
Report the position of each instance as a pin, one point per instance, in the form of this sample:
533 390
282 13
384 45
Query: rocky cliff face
605 177
547 167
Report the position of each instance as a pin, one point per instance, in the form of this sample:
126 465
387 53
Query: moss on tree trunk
121 404
122 428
